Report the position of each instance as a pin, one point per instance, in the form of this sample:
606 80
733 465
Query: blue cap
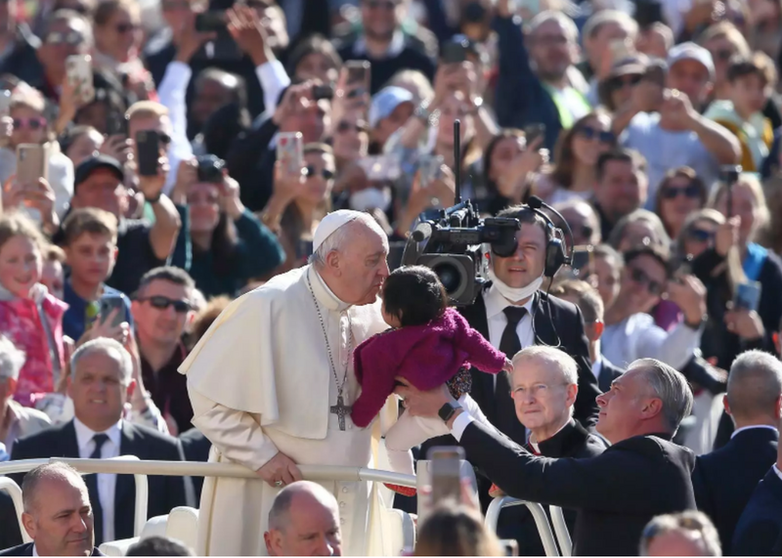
385 102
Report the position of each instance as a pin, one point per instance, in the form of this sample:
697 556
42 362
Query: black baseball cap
88 166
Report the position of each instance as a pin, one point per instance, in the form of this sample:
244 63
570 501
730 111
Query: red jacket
427 356
21 323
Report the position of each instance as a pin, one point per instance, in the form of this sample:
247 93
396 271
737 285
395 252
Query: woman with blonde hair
456 530
637 228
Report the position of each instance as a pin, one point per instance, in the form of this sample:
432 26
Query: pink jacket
21 323
427 356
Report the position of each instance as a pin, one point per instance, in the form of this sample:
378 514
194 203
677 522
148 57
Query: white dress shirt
597 366
106 483
497 320
639 337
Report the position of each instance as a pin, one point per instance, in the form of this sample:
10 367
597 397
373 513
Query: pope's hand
280 471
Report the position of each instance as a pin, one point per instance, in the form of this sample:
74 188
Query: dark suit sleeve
10 535
585 409
608 482
757 539
700 488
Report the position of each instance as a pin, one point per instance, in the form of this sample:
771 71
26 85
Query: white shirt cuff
460 423
273 79
778 472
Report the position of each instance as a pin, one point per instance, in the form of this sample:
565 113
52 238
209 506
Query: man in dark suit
100 383
759 531
9 534
544 384
615 494
588 300
196 447
57 514
724 480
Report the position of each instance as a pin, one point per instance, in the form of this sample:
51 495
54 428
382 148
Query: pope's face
363 266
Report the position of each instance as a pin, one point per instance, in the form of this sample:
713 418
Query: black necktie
507 422
92 488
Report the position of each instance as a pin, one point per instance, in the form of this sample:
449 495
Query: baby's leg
400 439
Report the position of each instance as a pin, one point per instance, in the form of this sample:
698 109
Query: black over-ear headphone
555 248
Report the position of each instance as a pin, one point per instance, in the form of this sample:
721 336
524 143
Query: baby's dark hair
415 295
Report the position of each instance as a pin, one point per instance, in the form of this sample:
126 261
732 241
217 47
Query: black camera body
452 245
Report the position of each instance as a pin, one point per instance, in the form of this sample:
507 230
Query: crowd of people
219 295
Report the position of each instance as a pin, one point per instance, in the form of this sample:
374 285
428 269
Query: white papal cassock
260 382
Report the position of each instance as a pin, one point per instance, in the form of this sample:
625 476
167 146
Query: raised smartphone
290 151
747 296
358 77
108 304
446 475
534 131
31 163
147 152
78 68
454 53
209 22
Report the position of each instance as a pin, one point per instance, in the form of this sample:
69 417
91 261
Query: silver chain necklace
340 409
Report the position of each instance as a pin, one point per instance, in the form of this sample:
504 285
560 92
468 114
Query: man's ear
654 407
131 389
29 524
599 327
572 393
726 403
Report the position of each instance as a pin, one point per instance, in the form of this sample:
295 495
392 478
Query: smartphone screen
358 73
147 152
30 163
290 151
748 296
78 68
533 132
454 53
583 260
5 102
208 22
446 475
116 124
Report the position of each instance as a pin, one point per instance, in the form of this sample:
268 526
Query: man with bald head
272 384
57 514
304 521
724 479
680 534
643 474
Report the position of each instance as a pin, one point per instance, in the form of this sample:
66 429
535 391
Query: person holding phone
230 244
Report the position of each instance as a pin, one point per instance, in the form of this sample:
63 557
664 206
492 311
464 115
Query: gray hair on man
754 385
112 348
47 471
670 387
339 240
550 15
693 525
278 514
11 359
554 357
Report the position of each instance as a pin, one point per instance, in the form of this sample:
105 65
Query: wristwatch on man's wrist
448 410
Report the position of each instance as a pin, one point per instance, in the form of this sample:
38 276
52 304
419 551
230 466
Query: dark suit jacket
608 373
759 532
724 480
27 550
615 494
165 493
196 447
572 441
9 526
555 322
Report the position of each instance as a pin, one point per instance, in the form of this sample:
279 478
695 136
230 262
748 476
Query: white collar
496 303
395 47
750 427
35 550
597 365
322 292
536 445
84 434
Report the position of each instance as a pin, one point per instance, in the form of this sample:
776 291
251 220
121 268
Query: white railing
541 521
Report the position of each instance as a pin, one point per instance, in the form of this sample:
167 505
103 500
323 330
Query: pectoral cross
341 410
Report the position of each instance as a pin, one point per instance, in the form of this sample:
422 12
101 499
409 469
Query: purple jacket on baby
427 356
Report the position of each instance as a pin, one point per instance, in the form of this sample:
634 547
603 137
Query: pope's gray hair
11 359
112 348
340 238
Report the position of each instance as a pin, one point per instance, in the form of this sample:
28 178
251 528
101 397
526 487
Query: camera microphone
535 202
421 232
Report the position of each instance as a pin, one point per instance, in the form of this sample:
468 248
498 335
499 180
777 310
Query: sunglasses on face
625 81
35 123
700 235
71 38
163 302
310 172
586 231
691 191
344 126
638 276
587 132
724 55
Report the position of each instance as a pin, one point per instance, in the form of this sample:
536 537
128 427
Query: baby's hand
508 367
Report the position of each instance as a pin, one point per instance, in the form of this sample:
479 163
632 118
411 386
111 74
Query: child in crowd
90 243
429 345
751 83
29 316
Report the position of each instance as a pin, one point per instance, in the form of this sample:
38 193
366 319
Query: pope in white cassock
272 380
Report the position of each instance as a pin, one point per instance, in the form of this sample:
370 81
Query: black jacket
759 532
615 493
608 373
165 493
27 550
9 534
196 447
724 480
572 441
